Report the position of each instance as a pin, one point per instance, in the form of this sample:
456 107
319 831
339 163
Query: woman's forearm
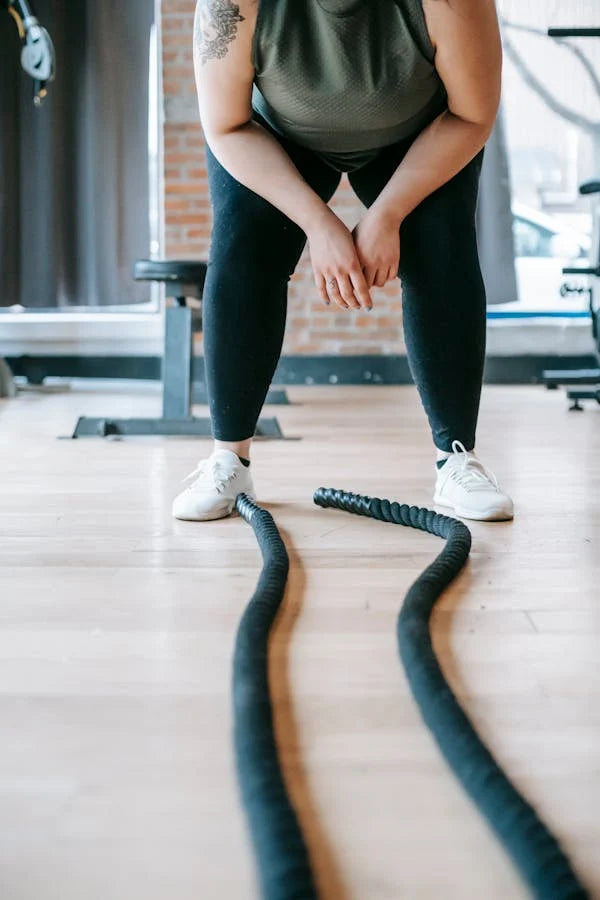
441 150
255 158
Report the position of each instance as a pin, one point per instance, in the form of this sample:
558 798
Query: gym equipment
554 377
38 61
573 32
37 55
283 862
280 850
183 280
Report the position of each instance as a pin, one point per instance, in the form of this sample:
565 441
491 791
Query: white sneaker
469 489
220 478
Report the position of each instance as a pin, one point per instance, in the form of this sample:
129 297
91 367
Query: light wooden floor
116 633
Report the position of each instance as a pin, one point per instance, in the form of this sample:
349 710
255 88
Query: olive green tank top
345 77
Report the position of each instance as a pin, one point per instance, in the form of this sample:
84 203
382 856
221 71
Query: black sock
441 462
244 462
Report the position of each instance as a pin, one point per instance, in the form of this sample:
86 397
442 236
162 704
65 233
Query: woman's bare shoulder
223 63
221 25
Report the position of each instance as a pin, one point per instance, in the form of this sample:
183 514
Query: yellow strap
18 20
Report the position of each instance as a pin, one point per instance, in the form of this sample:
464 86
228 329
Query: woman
402 95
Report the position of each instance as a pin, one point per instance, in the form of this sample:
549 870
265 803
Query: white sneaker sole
492 514
215 514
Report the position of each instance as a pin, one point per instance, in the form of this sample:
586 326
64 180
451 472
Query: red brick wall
312 328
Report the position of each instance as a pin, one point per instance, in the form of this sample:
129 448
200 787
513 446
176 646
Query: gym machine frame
553 377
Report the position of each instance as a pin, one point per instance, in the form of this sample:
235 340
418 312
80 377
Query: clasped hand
347 264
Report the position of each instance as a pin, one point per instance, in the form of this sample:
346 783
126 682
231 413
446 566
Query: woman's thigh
438 240
441 230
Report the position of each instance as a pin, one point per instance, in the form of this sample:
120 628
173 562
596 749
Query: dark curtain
74 174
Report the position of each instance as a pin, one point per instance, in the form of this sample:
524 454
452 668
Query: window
551 106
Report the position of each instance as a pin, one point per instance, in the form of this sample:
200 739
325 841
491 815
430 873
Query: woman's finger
321 288
381 277
334 293
361 289
347 291
370 274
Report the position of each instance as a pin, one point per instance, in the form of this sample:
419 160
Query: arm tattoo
215 27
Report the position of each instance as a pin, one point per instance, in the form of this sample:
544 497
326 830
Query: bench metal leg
177 362
88 426
177 396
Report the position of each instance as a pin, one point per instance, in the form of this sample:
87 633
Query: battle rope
534 850
282 857
283 862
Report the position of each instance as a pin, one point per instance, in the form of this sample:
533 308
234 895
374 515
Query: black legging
255 249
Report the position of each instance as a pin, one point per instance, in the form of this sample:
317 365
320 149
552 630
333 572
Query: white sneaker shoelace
211 474
470 472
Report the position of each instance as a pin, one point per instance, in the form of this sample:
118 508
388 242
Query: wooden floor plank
117 627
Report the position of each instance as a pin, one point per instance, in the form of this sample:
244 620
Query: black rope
283 861
534 850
